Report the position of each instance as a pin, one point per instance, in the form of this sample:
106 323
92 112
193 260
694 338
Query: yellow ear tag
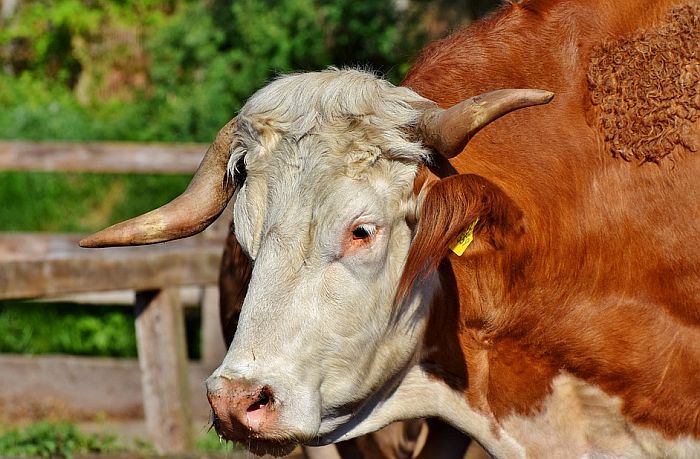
463 240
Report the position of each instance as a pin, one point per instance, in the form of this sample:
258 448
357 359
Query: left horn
449 130
196 208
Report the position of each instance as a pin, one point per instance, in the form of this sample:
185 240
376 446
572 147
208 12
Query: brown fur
600 276
581 263
646 88
517 376
450 207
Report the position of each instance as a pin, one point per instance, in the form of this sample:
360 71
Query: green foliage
45 439
175 70
210 443
40 201
53 38
36 328
369 34
65 440
40 109
67 328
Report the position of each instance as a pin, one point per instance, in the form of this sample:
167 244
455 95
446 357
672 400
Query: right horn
448 130
195 209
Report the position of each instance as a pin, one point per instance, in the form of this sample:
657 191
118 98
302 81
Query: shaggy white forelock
332 102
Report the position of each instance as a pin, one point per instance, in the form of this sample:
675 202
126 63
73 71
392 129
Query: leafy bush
67 328
47 439
36 328
65 440
153 70
39 109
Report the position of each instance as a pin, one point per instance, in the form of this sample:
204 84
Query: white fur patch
579 420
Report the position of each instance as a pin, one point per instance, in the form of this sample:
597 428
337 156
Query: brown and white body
570 327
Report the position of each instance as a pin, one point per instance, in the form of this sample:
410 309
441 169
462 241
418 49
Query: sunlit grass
76 329
47 439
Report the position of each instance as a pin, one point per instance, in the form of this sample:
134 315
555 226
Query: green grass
76 329
46 439
210 442
66 328
65 440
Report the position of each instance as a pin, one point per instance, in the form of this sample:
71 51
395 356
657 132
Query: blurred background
178 70
150 71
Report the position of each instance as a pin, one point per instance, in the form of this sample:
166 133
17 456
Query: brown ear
449 207
234 277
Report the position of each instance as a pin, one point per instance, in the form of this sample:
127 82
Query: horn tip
547 96
109 237
91 242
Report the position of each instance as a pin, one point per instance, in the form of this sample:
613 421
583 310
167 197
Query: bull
531 279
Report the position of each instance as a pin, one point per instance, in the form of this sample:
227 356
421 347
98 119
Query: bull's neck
506 376
453 350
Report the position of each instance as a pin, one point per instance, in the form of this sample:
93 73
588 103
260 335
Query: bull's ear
459 206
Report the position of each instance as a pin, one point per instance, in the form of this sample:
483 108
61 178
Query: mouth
273 445
269 447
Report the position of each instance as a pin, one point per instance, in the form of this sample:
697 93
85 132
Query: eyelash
363 232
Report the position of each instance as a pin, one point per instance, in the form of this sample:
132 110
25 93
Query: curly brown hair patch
645 88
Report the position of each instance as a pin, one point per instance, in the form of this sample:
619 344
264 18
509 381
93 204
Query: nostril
264 398
239 410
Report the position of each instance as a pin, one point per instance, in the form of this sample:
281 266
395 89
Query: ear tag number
463 240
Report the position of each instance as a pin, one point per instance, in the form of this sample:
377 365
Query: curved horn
204 199
449 130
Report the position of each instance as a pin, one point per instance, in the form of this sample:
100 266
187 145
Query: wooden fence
38 266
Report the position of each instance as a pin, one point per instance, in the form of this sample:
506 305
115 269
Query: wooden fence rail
46 265
110 157
41 265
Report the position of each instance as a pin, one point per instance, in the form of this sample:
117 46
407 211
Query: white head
324 214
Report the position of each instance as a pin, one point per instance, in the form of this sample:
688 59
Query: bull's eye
239 172
364 231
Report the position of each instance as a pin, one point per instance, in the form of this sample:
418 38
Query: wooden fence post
160 333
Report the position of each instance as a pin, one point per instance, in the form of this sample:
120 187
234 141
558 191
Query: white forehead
347 105
309 138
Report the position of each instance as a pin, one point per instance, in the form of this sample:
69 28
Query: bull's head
323 168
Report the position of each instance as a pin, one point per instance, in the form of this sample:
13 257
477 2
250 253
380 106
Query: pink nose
241 410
